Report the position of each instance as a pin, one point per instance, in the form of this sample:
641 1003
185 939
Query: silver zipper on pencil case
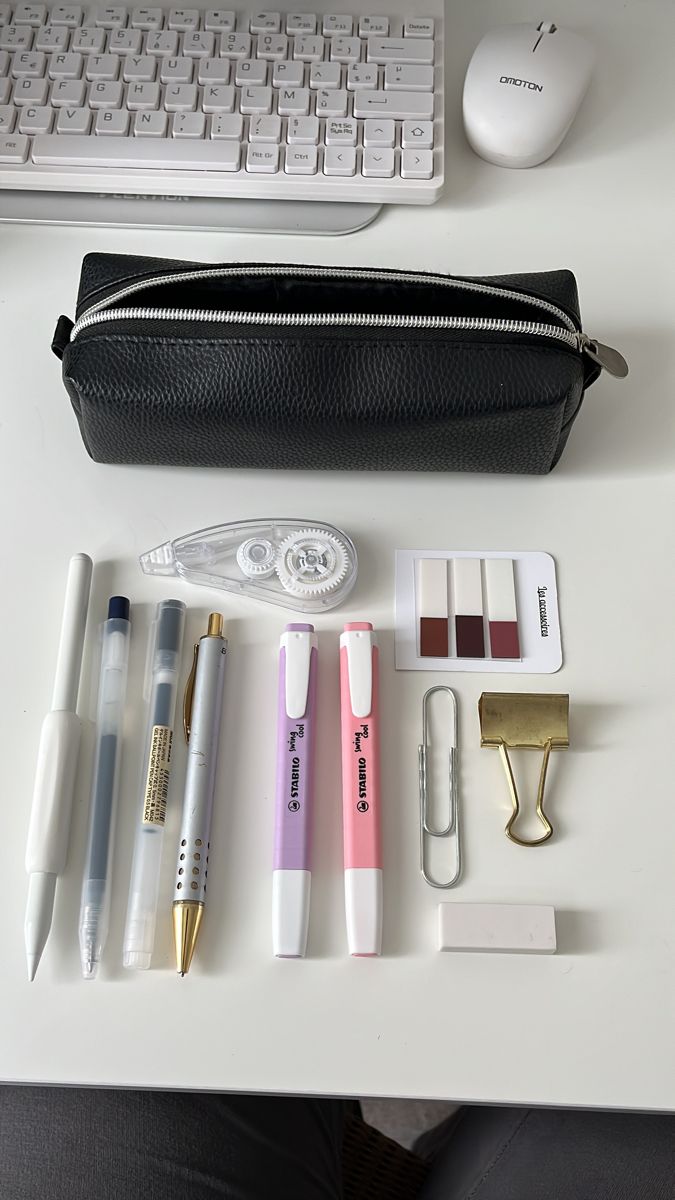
102 311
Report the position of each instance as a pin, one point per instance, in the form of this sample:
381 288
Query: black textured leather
190 393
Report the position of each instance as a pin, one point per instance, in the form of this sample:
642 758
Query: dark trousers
72 1144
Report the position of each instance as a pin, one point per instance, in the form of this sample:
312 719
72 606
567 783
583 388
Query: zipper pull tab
605 356
61 336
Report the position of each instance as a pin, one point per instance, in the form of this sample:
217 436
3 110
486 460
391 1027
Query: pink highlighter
361 788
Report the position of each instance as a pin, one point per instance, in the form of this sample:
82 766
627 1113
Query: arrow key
379 133
417 135
339 160
417 164
378 163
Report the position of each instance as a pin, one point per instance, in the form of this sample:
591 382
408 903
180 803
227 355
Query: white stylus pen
49 829
202 719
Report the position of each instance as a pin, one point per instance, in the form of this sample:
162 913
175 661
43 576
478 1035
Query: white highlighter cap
290 912
363 906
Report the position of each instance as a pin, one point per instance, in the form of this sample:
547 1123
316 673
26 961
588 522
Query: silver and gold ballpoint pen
202 719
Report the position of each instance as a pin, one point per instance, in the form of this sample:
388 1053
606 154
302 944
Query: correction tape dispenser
296 564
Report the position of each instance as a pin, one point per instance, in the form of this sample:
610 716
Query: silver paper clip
451 830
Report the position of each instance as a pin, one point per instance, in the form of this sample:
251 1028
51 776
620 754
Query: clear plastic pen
139 933
95 902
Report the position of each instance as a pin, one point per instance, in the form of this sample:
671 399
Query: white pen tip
136 960
32 962
89 969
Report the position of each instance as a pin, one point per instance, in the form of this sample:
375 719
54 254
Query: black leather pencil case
258 365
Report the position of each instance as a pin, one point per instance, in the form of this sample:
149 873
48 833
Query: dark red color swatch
433 637
470 640
504 641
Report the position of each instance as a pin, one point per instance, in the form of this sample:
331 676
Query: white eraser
497 928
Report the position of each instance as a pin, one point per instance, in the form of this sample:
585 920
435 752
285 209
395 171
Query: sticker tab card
477 610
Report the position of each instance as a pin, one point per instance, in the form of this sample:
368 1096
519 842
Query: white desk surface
592 1025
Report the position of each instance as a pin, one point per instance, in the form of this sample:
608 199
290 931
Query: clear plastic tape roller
301 565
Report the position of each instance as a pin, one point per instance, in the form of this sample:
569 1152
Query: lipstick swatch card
477 611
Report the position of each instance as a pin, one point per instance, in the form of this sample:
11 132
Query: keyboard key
398 77
199 45
5 90
36 120
301 23
264 129
65 66
89 40
103 66
230 126
147 18
106 95
418 134
30 14
361 75
373 25
52 37
30 91
338 24
331 103
417 164
293 102
111 18
235 45
5 14
213 70
301 160
256 100
73 121
339 160
325 75
4 63
308 49
345 50
180 97
379 133
266 23
13 148
340 133
125 41
188 125
419 27
303 131
112 122
164 43
219 20
378 163
136 153
250 71
288 74
16 37
68 93
142 96
272 46
403 50
397 105
218 98
150 124
28 65
176 70
66 14
140 70
263 159
7 117
184 19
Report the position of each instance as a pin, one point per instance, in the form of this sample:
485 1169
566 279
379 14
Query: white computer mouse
522 90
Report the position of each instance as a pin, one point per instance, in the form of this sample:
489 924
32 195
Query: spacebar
162 154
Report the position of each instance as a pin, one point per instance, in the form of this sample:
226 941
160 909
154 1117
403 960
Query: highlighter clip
528 721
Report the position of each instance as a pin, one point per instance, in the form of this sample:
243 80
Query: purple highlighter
292 875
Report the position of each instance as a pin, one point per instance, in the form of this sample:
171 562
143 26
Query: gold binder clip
529 721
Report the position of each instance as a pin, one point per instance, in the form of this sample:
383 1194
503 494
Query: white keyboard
214 103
